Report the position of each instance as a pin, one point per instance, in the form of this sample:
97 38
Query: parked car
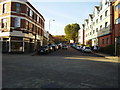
95 48
86 49
65 47
43 50
60 45
54 47
78 47
81 48
50 48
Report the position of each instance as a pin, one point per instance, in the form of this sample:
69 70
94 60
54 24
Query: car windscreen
87 48
43 47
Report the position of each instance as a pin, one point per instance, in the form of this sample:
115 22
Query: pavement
108 56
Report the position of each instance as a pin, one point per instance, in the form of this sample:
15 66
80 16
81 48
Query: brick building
116 25
102 26
21 26
115 20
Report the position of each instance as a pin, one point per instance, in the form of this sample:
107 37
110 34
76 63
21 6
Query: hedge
108 50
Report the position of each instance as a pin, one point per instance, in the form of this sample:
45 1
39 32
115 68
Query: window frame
106 13
96 20
103 41
33 26
28 11
96 29
17 22
93 31
4 24
18 5
5 8
117 21
106 24
100 27
101 17
27 25
117 7
107 40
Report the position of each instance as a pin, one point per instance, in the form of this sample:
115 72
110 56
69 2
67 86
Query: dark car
54 47
65 47
43 50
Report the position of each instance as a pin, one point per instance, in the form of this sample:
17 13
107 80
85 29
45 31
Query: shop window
4 8
4 23
18 7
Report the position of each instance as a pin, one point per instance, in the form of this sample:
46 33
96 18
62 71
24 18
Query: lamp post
50 23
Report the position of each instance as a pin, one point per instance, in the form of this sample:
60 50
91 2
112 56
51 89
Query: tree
59 39
71 31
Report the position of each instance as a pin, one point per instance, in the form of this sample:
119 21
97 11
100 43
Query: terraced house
103 25
22 26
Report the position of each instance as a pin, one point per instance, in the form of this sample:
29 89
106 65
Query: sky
63 13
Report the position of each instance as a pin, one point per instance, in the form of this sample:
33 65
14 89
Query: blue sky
63 13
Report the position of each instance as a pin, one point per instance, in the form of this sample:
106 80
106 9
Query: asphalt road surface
60 69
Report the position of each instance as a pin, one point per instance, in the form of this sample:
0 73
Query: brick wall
100 39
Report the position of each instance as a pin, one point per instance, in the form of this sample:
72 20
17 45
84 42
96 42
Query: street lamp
50 23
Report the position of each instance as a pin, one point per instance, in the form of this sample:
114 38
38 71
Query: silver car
86 49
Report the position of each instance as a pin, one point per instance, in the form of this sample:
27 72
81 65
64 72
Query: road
60 69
